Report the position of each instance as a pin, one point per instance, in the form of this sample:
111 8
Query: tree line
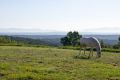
71 39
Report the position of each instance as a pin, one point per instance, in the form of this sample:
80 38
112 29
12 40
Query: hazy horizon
85 16
53 33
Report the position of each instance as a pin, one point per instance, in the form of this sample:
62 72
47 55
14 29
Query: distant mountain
14 40
108 39
55 39
41 36
51 39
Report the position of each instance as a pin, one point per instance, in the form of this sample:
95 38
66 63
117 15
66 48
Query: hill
108 39
13 40
30 63
55 39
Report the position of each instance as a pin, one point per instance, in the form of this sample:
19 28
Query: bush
111 50
116 46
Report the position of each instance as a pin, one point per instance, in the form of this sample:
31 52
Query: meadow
37 63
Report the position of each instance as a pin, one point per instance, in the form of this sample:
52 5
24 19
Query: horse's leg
92 51
84 50
96 53
80 51
89 53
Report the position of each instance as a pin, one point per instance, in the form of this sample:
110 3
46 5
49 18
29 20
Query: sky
96 16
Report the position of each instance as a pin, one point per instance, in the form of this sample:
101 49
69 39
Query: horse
91 42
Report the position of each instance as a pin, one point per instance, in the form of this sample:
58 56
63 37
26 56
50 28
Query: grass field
31 63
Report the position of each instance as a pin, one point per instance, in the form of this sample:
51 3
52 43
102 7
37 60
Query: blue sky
97 16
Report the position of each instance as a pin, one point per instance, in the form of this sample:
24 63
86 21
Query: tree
72 38
119 41
65 41
117 46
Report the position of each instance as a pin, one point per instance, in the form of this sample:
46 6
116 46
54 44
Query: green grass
32 63
78 48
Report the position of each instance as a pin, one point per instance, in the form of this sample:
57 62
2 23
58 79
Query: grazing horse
91 42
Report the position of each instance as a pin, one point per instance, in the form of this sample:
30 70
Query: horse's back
91 41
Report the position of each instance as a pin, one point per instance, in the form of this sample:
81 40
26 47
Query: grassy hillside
30 63
21 41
